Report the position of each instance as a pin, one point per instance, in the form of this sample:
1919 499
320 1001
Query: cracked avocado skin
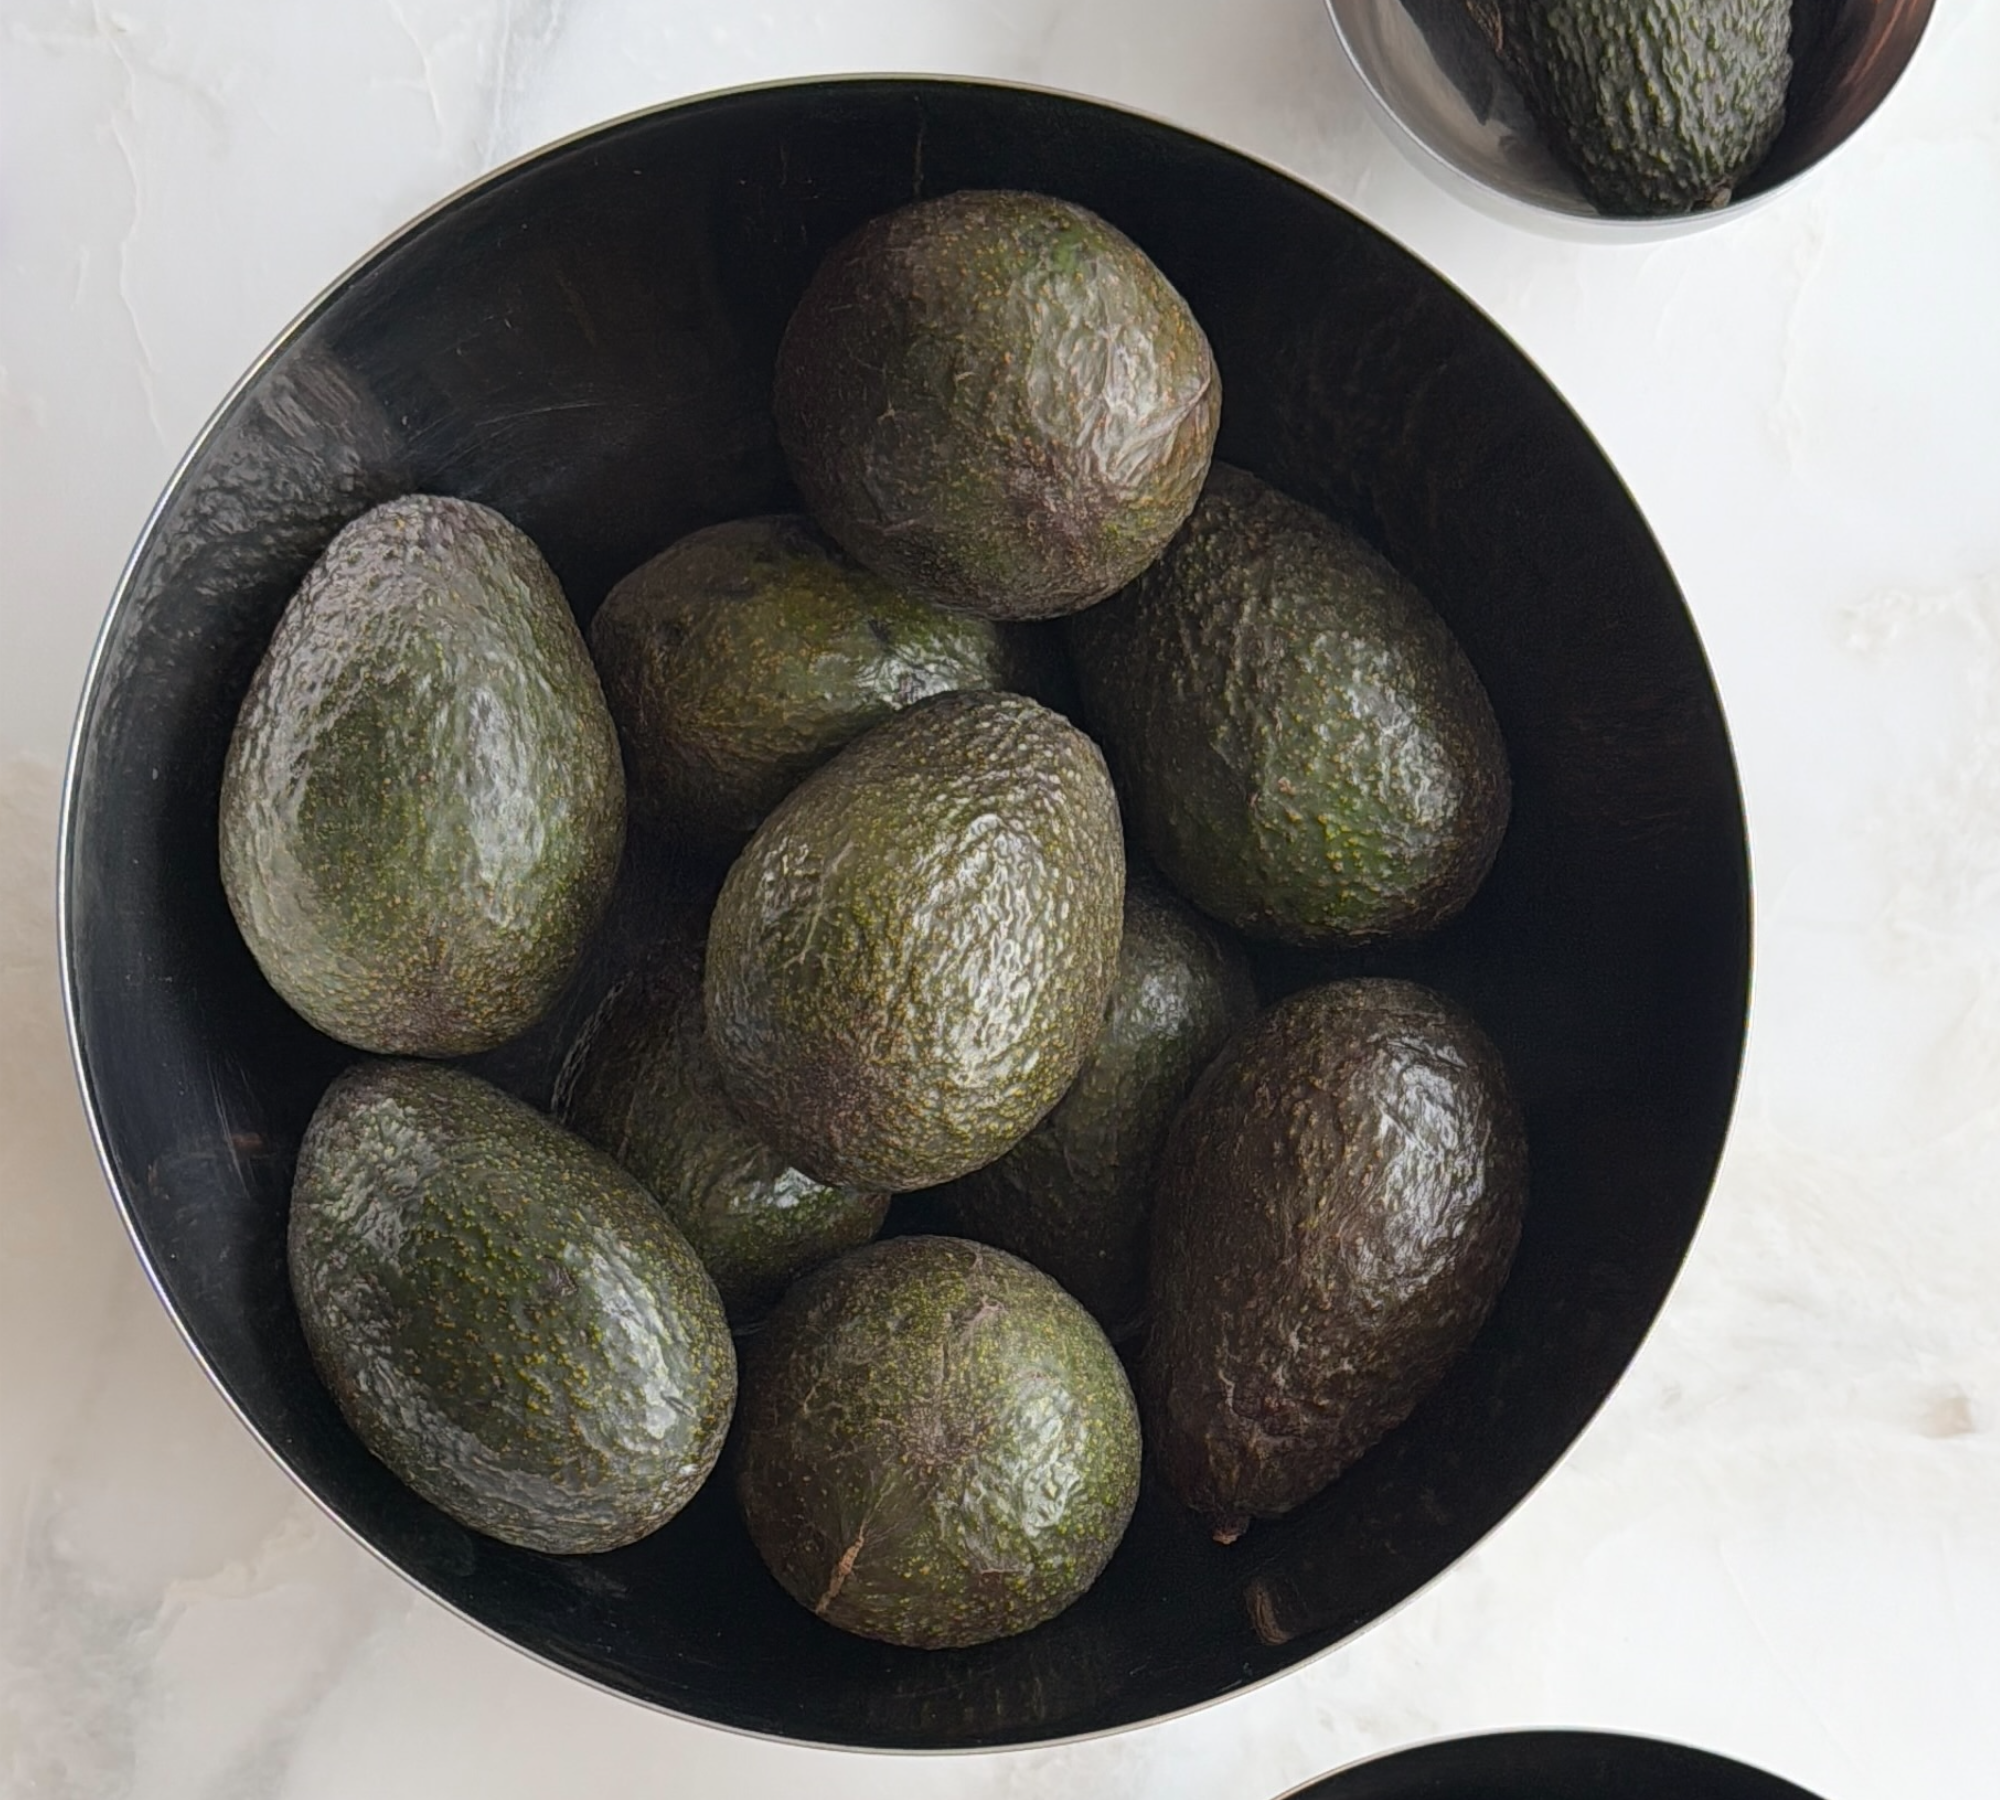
1337 1209
938 1446
643 1087
909 962
1305 750
505 1317
1657 106
1073 1196
423 805
996 402
740 658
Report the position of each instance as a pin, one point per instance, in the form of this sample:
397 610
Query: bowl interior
585 341
1438 79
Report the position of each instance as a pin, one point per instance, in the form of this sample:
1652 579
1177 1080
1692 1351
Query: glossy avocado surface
423 804
938 1447
996 401
1074 1195
1338 1206
909 962
642 1085
504 1316
744 655
1305 749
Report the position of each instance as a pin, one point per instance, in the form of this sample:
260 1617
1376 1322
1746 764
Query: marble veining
1781 1538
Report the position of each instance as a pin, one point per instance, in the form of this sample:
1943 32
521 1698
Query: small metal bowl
1550 1765
586 340
1458 114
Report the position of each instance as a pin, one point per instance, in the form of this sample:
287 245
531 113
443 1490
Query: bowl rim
69 820
1591 226
1598 1734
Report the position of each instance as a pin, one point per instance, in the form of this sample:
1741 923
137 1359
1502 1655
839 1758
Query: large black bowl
1551 1765
585 341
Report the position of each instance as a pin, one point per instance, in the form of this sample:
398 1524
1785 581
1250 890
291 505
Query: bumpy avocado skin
997 402
642 1086
504 1316
1338 1205
938 1447
423 805
1657 106
740 658
909 962
1307 753
1073 1196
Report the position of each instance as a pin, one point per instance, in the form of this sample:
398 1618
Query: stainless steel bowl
1453 108
585 341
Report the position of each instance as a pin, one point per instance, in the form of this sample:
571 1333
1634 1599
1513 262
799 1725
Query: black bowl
1551 1765
585 341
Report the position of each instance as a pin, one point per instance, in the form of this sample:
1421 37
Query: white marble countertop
1782 1537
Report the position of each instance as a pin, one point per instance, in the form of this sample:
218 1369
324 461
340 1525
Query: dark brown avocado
1338 1206
642 1086
996 402
938 1446
1073 1196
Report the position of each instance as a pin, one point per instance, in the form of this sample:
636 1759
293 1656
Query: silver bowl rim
1599 1733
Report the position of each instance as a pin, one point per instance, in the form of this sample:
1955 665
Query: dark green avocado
910 960
996 402
1337 1208
505 1317
423 805
740 658
1073 1196
1305 750
938 1446
642 1086
1656 106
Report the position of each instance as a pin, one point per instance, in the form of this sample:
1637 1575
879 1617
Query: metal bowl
1551 1765
1450 104
585 341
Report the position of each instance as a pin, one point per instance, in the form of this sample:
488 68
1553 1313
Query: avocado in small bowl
586 342
1613 121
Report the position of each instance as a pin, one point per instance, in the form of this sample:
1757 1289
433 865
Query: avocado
1656 106
938 1446
740 658
1073 1196
909 962
996 402
504 1316
1307 753
423 805
1337 1208
641 1085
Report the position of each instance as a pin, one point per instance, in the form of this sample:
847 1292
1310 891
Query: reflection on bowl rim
1584 225
338 284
